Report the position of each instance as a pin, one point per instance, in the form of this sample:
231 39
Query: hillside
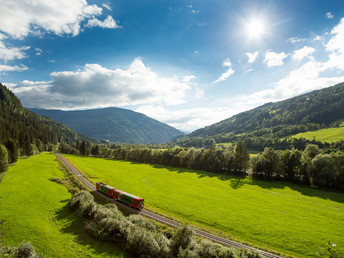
114 124
312 111
26 128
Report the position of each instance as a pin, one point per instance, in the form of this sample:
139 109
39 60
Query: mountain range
114 124
318 109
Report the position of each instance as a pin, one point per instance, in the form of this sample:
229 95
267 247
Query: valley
277 216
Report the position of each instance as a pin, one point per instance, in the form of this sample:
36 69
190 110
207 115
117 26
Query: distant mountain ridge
114 124
311 111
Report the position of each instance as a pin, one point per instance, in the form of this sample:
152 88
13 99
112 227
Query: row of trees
222 161
312 166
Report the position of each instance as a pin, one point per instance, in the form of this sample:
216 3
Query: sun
255 28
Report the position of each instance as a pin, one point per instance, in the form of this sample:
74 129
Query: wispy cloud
274 59
224 76
9 68
252 57
295 40
38 51
329 15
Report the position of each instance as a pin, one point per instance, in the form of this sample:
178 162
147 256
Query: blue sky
186 63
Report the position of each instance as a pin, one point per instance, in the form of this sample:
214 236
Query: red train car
127 198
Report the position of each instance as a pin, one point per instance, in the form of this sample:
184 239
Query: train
126 198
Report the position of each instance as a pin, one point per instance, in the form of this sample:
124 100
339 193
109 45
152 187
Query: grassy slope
324 135
35 209
286 217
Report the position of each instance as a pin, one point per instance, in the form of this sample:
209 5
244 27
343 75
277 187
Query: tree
3 158
308 154
12 151
95 151
241 157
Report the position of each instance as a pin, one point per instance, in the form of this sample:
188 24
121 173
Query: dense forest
274 121
23 133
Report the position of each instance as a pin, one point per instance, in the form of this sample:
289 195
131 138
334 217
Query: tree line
312 166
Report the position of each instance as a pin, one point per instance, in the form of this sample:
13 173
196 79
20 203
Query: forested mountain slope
26 128
318 109
114 124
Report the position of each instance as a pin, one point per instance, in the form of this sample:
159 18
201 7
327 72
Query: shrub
142 222
25 250
181 239
80 199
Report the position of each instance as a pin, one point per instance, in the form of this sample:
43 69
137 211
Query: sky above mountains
185 63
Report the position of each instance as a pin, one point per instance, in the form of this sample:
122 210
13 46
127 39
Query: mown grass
323 135
292 219
35 209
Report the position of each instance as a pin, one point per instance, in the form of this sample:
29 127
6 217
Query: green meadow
291 219
323 135
35 209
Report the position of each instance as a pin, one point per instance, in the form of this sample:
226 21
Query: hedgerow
141 237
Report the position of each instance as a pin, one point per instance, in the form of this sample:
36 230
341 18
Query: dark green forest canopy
26 128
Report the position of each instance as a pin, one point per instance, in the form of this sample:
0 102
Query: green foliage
115 125
29 131
3 158
12 151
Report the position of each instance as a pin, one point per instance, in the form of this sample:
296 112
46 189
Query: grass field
323 135
35 209
293 219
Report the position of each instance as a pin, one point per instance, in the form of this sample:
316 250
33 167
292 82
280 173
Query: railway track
161 219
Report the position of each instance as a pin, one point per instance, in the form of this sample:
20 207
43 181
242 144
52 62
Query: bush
181 239
25 250
80 199
142 222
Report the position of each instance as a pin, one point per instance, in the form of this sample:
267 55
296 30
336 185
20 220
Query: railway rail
161 219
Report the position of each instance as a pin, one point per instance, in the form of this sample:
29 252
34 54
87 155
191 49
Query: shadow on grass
236 182
75 227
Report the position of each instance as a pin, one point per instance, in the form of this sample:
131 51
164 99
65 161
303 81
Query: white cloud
107 7
252 57
317 38
108 23
227 73
329 15
274 59
305 52
295 40
8 68
20 18
38 51
97 86
11 53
